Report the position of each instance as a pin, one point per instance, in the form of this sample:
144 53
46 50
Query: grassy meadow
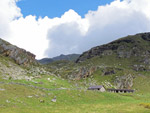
16 98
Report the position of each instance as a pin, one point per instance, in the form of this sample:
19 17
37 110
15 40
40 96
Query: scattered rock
48 79
40 82
35 82
42 101
36 96
30 96
7 101
54 99
139 68
49 94
2 89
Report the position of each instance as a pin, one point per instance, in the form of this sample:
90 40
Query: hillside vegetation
61 86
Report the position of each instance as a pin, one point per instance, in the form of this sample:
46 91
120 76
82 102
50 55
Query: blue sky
55 8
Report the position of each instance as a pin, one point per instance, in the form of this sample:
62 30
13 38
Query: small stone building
120 90
98 88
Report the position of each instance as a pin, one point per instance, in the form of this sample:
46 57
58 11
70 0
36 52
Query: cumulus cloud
65 38
49 37
31 33
8 12
107 23
116 20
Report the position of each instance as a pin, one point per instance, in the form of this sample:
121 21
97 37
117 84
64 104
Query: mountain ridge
69 57
125 47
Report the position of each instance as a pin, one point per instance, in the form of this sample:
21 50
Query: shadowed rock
20 56
131 46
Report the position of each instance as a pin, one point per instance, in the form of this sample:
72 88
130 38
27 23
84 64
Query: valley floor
15 98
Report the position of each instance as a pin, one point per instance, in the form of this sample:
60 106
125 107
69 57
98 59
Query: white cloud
31 34
8 12
116 20
107 23
70 33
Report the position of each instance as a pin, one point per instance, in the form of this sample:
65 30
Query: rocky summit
20 56
131 46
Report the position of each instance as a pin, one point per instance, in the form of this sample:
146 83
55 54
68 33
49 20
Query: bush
146 105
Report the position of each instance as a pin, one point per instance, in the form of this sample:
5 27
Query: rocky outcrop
131 46
109 71
20 56
86 72
10 70
124 82
140 68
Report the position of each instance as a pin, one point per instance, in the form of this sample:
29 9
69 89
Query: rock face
86 72
20 56
108 71
124 82
131 46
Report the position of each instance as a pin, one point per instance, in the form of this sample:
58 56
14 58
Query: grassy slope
26 99
80 101
69 101
16 98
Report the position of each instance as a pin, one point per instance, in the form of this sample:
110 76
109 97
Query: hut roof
95 87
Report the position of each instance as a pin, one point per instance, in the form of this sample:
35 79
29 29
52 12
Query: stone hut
98 88
120 90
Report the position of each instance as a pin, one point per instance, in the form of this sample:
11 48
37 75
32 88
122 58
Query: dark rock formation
131 46
85 72
108 71
20 56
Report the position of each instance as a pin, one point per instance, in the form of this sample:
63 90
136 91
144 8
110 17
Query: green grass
46 81
24 99
142 84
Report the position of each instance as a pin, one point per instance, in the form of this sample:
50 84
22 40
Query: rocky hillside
70 57
131 46
17 63
118 64
20 56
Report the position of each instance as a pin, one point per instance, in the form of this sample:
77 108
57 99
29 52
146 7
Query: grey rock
42 101
20 56
2 89
124 82
54 99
